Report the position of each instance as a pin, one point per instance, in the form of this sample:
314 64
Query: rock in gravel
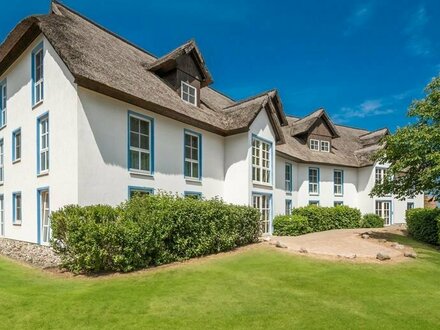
281 245
266 238
347 256
382 256
365 236
382 240
398 246
302 250
410 255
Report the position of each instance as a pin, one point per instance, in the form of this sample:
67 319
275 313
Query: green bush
147 231
371 220
424 224
293 225
317 219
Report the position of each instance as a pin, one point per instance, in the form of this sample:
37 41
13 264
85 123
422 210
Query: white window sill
289 193
2 127
36 105
339 195
16 161
17 223
45 173
141 173
262 184
193 180
314 194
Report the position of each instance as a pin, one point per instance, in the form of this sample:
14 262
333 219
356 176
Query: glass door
262 203
383 209
45 220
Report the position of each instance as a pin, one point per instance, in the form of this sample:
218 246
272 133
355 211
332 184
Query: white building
87 118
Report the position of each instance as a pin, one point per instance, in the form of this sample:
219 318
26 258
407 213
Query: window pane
195 168
134 140
195 154
145 161
134 159
187 169
145 127
145 142
134 124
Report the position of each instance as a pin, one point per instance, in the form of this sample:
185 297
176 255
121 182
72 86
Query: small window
37 74
192 161
139 191
43 144
3 103
16 145
16 208
2 161
288 178
288 206
338 182
192 194
338 203
380 175
189 93
409 205
140 143
313 181
314 145
314 203
325 146
261 161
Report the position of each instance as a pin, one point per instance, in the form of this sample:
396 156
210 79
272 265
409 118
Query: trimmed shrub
147 231
372 220
424 225
317 219
293 225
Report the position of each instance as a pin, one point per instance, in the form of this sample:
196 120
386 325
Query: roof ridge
376 130
56 2
251 98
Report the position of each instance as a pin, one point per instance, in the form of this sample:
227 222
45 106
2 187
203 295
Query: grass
257 288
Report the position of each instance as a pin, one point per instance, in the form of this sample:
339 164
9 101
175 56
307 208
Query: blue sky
363 61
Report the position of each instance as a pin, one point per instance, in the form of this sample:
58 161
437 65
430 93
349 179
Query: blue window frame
288 207
17 211
43 144
3 103
192 155
16 145
132 191
313 181
193 194
338 182
140 143
313 202
38 74
288 177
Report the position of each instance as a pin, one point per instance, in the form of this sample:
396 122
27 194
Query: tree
413 152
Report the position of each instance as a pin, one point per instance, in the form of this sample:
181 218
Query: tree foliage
413 152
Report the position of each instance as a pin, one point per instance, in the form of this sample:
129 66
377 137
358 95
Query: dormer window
325 146
314 144
188 93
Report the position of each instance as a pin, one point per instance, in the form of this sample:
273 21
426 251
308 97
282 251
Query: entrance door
44 216
262 203
383 209
2 216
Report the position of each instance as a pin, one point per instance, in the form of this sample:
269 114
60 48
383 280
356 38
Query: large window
3 103
189 93
16 145
140 143
338 182
193 155
313 181
383 209
288 178
2 161
262 203
37 74
16 208
261 161
43 144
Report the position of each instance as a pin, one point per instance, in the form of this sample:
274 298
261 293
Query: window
139 191
288 206
338 182
313 181
2 161
3 103
409 205
383 209
16 208
314 203
261 161
262 203
189 93
380 175
192 194
43 144
16 145
288 178
193 155
140 143
325 146
2 216
37 75
314 144
338 203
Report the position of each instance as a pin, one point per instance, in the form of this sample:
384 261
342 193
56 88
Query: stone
302 250
365 236
382 240
398 246
280 245
266 238
348 256
382 256
410 254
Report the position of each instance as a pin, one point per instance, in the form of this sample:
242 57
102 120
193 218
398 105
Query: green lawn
258 288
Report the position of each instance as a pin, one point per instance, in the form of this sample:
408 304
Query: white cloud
418 43
358 18
368 108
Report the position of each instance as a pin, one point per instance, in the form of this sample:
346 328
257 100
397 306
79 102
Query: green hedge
424 224
148 231
372 220
310 219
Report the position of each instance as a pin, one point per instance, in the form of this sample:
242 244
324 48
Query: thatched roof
104 62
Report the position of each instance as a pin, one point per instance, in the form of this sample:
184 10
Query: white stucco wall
60 102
